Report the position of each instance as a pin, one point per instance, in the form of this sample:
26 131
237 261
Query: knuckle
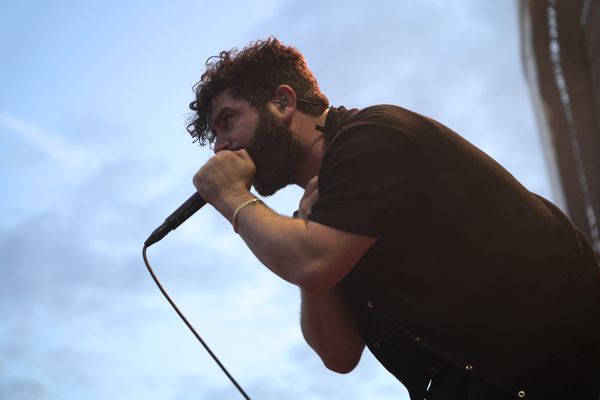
196 179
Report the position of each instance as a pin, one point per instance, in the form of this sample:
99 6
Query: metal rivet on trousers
377 345
418 339
469 367
369 304
521 394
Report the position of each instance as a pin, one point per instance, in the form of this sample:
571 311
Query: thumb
243 154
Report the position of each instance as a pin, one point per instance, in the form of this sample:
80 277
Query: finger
196 179
307 203
198 175
311 200
307 193
243 154
311 186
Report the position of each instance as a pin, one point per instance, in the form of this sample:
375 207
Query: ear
285 99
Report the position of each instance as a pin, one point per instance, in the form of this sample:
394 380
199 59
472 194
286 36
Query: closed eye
222 119
227 119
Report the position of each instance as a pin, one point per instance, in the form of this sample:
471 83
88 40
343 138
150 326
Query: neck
314 144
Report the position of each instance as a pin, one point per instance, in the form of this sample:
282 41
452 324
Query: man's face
275 151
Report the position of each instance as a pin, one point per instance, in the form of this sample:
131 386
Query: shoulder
388 123
373 142
379 129
390 116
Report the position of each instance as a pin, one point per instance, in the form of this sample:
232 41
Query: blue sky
93 102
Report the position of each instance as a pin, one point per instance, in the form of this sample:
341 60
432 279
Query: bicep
335 253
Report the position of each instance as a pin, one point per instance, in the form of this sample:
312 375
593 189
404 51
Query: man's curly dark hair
254 74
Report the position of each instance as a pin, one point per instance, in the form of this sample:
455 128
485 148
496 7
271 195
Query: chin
265 192
268 190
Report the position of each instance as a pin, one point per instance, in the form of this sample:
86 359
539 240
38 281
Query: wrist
227 203
248 203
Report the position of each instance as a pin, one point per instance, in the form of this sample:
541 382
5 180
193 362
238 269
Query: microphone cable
189 325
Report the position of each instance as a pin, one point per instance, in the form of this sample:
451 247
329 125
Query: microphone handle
186 210
178 217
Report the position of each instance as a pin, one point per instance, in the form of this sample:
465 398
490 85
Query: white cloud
77 161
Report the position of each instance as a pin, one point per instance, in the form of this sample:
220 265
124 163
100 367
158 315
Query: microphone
178 217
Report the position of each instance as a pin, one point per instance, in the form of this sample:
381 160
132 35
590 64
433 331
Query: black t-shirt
469 269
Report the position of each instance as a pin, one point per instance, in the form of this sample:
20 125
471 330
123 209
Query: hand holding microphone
224 179
227 174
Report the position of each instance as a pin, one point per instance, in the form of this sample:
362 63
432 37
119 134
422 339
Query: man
408 239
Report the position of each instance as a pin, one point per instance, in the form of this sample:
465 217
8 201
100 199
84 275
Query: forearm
308 254
329 328
279 242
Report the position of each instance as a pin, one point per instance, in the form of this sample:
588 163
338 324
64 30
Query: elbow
340 359
313 277
341 369
311 284
341 365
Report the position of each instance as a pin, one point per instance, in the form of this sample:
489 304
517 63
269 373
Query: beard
276 153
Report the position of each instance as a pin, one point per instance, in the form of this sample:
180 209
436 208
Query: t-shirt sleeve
367 181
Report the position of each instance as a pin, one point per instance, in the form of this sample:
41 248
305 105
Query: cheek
247 135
